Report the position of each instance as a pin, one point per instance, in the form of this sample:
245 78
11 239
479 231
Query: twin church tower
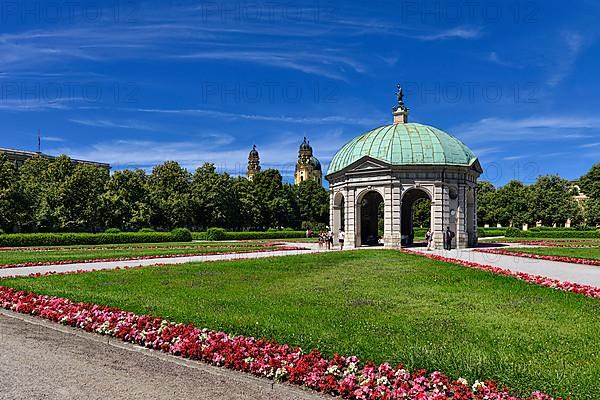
308 167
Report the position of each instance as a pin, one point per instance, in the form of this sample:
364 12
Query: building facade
308 167
18 158
389 169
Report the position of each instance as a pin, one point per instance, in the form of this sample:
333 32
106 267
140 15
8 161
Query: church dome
404 144
253 153
315 163
305 145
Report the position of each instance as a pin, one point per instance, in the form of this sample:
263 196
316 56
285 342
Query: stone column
352 225
440 212
462 235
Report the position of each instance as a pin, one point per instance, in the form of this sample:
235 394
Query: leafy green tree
268 193
126 200
313 202
487 209
81 198
169 194
513 204
592 211
552 201
214 198
249 207
33 187
8 194
590 182
422 213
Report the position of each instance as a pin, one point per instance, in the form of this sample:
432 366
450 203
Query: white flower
383 381
463 381
478 385
280 374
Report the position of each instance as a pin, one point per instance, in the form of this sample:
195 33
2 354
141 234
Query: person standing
429 239
448 236
329 238
341 237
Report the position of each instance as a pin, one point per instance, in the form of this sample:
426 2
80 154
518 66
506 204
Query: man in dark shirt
448 236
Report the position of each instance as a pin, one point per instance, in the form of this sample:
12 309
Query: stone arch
367 209
408 200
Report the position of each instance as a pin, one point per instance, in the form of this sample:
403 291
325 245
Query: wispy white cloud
494 58
328 119
537 128
570 48
108 123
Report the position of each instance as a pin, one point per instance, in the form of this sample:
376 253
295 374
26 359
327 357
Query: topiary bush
182 235
222 234
215 234
512 232
112 230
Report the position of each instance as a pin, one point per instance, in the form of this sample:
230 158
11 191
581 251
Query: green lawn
376 304
586 253
123 250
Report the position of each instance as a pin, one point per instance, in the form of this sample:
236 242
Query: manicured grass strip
589 256
379 305
29 258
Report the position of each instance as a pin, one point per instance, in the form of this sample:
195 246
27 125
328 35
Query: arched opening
339 214
416 216
371 219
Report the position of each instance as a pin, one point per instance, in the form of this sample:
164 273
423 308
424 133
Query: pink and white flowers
343 376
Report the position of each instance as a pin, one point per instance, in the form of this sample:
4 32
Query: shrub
146 230
68 239
221 234
512 232
199 236
112 230
182 235
215 234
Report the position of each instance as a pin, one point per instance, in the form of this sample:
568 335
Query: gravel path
568 272
44 360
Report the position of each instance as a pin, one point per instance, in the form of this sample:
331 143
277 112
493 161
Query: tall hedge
220 234
69 239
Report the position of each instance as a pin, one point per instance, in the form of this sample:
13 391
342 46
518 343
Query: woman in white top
341 237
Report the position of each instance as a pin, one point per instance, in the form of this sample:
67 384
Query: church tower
308 166
253 163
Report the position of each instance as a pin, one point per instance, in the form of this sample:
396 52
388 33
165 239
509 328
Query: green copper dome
404 144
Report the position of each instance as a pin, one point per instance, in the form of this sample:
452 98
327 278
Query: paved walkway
44 360
24 271
575 273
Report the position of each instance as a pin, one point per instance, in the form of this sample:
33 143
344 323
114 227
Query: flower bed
343 376
562 243
573 260
586 290
64 262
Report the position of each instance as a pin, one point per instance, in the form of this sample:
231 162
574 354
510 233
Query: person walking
341 237
429 239
448 236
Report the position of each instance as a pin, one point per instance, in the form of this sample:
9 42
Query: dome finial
400 110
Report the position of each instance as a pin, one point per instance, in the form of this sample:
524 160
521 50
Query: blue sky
140 83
